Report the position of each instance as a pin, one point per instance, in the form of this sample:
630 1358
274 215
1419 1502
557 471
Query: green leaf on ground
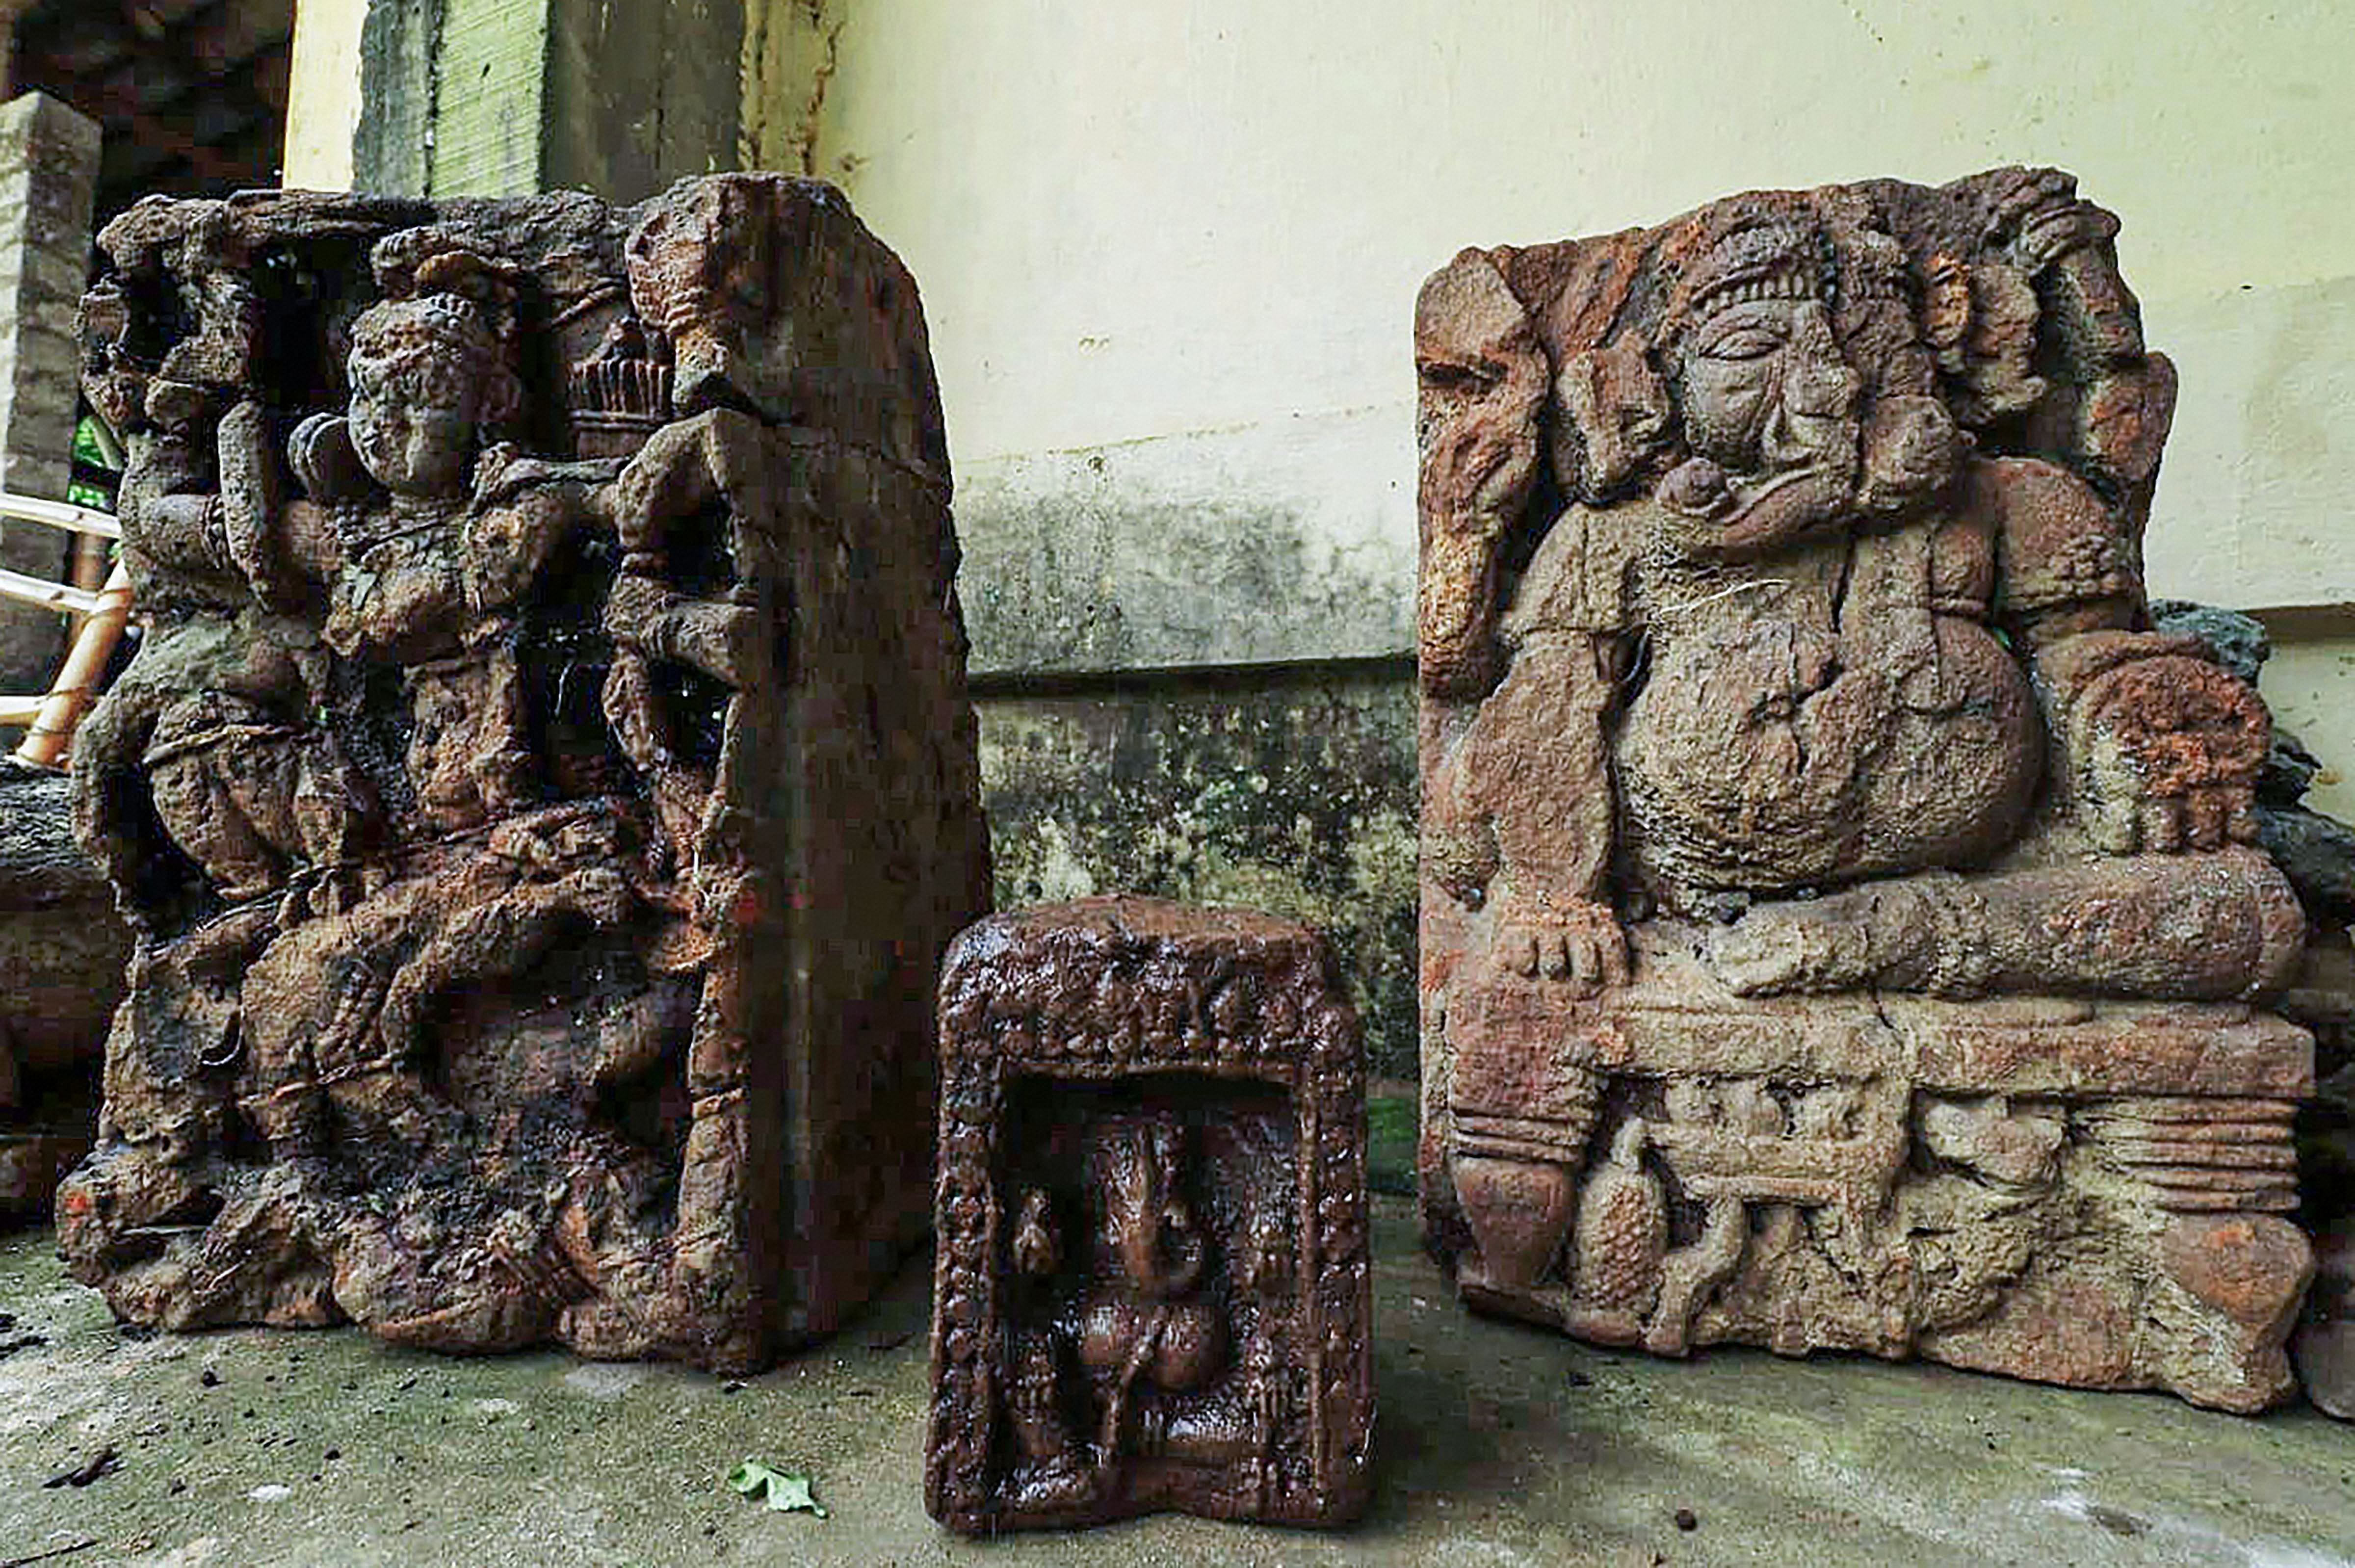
788 1491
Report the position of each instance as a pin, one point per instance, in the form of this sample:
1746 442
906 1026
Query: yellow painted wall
322 94
1184 212
1185 235
2310 684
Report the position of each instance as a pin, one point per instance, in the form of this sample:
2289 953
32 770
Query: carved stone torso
402 594
1841 711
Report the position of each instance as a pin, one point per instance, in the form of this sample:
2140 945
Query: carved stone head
432 372
702 272
1764 356
1758 371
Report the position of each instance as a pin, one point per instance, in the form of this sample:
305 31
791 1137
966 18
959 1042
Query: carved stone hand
1576 941
2165 755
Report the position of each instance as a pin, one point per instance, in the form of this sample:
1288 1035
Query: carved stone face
1765 388
413 421
427 376
172 446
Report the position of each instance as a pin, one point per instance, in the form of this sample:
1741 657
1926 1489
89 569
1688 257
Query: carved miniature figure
1835 891
494 873
1152 1287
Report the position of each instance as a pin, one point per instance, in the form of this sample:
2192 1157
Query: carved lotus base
2072 1192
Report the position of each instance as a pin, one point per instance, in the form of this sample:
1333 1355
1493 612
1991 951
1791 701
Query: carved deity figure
1783 636
1151 1289
438 528
492 874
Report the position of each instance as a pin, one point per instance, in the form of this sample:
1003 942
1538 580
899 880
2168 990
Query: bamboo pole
67 515
44 594
45 743
87 572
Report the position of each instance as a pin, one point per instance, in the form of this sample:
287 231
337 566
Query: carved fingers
1582 947
2166 755
2206 819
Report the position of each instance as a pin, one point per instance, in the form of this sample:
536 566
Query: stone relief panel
545 782
1842 920
1152 1286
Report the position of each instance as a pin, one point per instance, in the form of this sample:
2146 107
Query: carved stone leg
2224 924
1690 1274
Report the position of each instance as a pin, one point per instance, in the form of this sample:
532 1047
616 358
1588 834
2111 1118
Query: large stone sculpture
1840 923
1152 1286
545 784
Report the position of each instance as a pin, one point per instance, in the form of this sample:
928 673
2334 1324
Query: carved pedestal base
2079 1193
1152 1288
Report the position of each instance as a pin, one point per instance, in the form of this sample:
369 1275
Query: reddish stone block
1841 907
1152 1287
546 782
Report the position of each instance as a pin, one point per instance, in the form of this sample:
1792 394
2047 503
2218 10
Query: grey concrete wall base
1257 544
1290 789
48 178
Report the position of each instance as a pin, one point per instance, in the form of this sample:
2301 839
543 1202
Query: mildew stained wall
1280 789
1169 252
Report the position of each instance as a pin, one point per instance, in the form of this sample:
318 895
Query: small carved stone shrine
1840 922
546 784
1151 1289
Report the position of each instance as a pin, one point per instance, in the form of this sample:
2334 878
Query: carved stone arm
1483 377
725 641
515 528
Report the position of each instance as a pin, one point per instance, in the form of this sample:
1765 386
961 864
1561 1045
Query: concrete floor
1498 1446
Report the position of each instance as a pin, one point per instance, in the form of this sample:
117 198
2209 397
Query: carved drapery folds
544 784
1841 922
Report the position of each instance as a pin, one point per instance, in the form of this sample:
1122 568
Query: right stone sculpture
1840 923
